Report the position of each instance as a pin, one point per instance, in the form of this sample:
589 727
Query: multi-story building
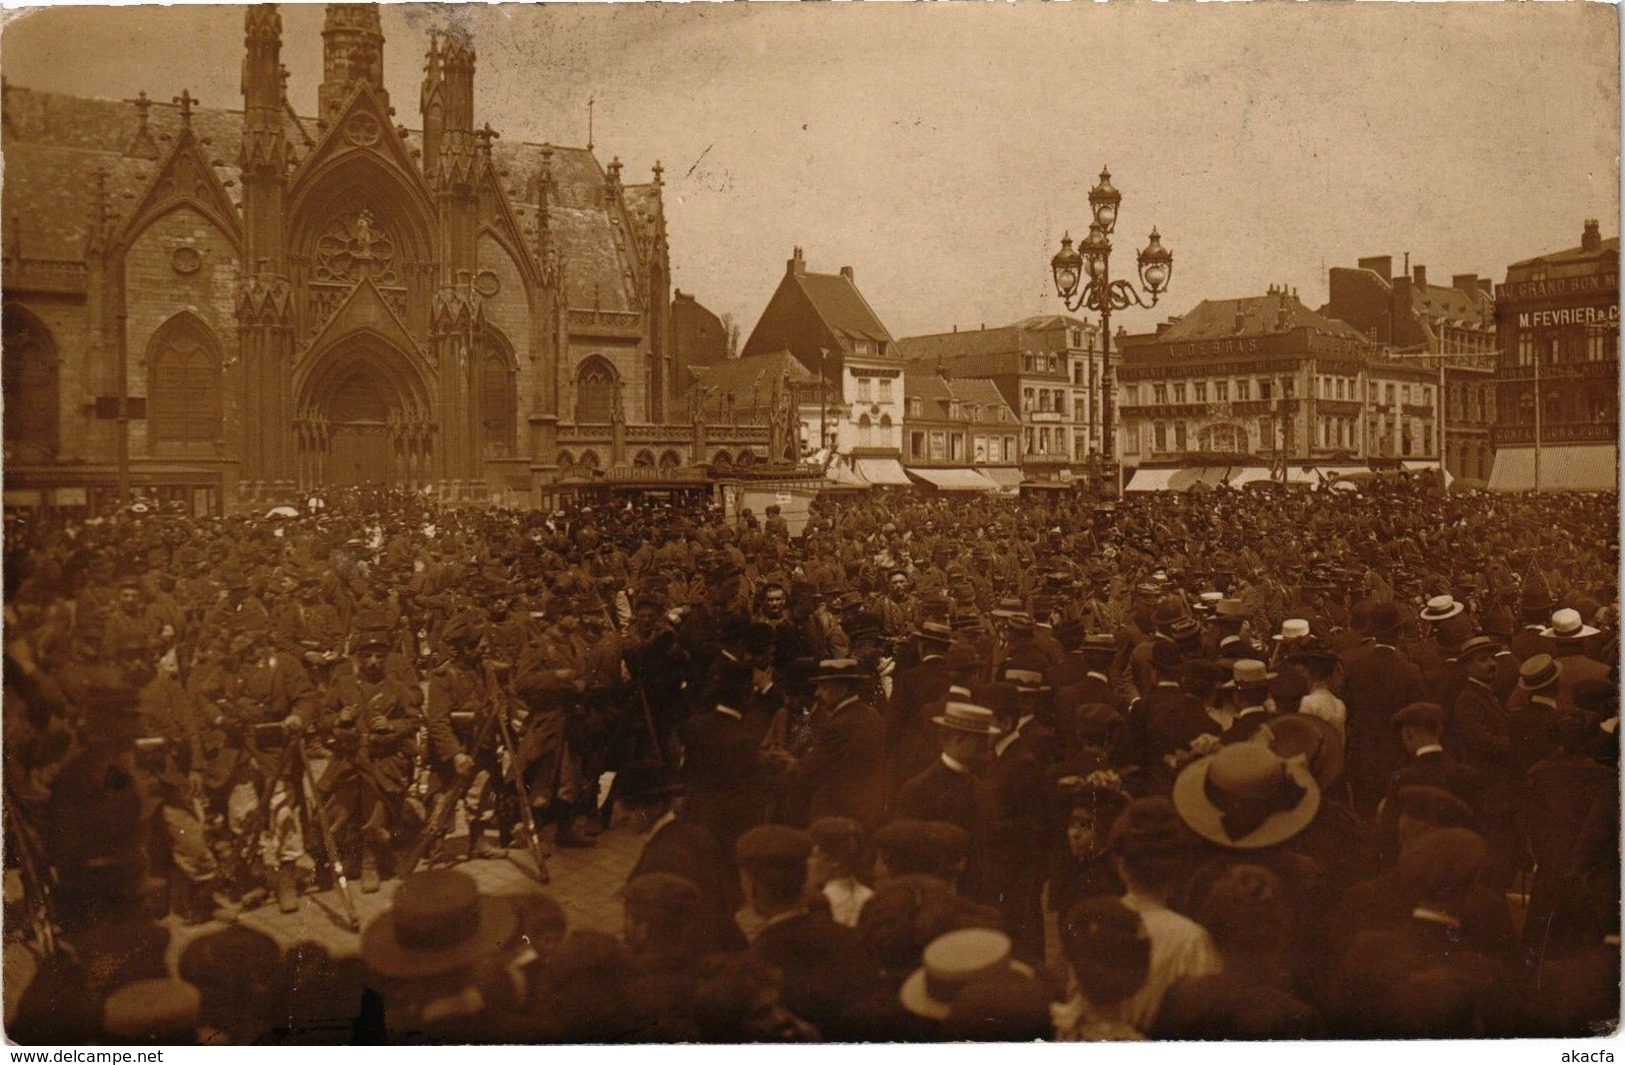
960 434
824 321
1558 375
1449 328
1048 369
227 306
1267 377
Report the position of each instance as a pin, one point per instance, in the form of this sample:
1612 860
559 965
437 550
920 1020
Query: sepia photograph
612 523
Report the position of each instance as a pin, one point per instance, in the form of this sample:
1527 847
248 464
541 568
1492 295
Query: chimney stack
846 272
1381 265
1467 283
796 266
1419 275
1591 239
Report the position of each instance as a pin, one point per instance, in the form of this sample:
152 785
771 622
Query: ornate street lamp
1083 280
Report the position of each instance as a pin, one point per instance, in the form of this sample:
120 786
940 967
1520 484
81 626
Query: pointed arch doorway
365 418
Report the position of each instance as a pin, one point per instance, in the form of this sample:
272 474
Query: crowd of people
1248 764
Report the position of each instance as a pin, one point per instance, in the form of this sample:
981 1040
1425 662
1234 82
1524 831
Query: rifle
34 870
309 781
441 816
517 778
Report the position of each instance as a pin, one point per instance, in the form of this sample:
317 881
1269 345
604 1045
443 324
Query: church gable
362 128
185 177
499 219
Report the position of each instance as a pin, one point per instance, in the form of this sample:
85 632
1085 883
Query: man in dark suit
909 745
1420 727
1379 681
826 966
1014 789
843 772
950 791
1095 685
1249 696
723 780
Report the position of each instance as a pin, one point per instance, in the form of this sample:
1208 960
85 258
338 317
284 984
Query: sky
942 150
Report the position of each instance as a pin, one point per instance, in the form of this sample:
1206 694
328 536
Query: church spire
352 56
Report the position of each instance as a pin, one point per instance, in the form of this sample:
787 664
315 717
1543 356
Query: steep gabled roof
982 392
1432 302
842 307
1258 316
922 382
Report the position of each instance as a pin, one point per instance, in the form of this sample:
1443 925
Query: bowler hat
439 922
1422 714
1246 796
154 1011
773 845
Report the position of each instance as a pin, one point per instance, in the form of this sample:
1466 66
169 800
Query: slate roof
842 307
921 381
1576 254
1216 320
984 393
752 375
54 141
1440 301
998 341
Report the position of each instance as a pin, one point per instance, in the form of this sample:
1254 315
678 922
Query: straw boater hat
838 669
951 963
1441 607
439 923
1540 671
1568 625
967 717
1246 797
1292 629
1248 672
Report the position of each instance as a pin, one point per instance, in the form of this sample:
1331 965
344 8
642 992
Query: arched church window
29 376
644 460
183 384
353 247
499 401
670 460
595 392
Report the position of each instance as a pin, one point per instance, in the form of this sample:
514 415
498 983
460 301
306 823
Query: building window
956 447
31 382
1159 394
1427 439
1244 391
1131 440
1526 350
939 445
915 407
1340 382
1027 363
1131 395
885 390
981 450
1029 401
183 401
916 444
1179 393
865 390
1179 436
1077 338
499 402
1009 449
1388 394
1221 391
595 392
1201 391
1159 438
1554 350
1266 434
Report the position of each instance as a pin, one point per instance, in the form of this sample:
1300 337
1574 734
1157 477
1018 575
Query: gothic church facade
236 307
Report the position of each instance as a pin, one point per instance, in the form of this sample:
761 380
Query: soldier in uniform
461 692
372 723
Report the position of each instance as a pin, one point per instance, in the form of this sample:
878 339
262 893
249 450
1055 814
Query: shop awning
1571 468
883 471
838 476
1145 480
1430 466
957 480
1007 478
1198 478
